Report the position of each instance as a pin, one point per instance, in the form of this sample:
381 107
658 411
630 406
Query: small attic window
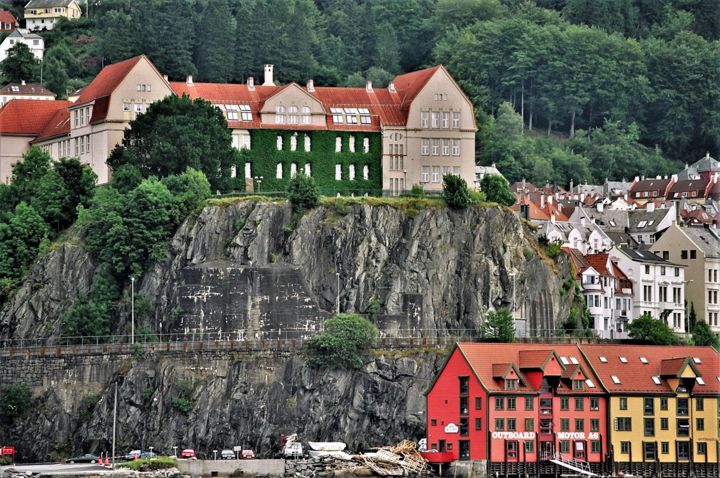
564 360
644 360
651 222
15 88
589 383
623 359
656 379
574 360
615 379
612 222
700 381
511 384
642 223
697 360
603 359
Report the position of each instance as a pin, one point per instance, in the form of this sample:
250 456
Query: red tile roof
28 117
410 84
637 377
534 358
7 17
58 125
672 367
599 262
107 80
487 360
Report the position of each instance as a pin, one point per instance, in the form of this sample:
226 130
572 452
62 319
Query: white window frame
292 116
279 171
338 116
366 172
424 119
307 143
351 115
308 169
351 172
366 145
279 142
425 146
435 119
338 144
245 112
435 177
446 120
248 170
338 172
456 147
351 144
455 120
425 174
435 150
446 147
364 116
280 114
293 142
305 115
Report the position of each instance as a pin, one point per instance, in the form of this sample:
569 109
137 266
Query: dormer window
305 115
511 384
351 114
280 114
364 116
245 113
577 384
338 116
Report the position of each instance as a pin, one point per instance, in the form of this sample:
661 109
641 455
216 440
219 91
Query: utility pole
132 310
114 427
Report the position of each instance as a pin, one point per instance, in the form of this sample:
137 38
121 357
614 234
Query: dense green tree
215 39
303 193
56 77
498 326
345 342
387 50
645 329
497 190
21 238
190 190
126 178
28 172
79 180
702 334
15 401
456 192
52 200
20 65
174 134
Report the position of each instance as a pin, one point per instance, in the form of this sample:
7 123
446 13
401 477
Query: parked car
132 454
148 454
293 450
227 455
247 454
86 458
188 453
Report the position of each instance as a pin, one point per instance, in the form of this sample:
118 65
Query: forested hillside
620 87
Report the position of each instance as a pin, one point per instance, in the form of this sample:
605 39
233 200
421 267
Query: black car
86 458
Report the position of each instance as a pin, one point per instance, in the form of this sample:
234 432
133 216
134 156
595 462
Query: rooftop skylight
615 378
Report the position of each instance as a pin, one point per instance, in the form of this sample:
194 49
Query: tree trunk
549 127
572 125
522 103
530 118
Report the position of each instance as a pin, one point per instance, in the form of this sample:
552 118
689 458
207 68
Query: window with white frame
293 170
366 172
308 170
248 170
456 170
338 144
424 119
245 141
424 146
307 143
446 147
279 142
366 145
337 114
279 171
126 107
456 120
293 142
338 172
280 114
425 174
351 144
292 115
456 147
233 171
436 174
435 147
245 113
435 119
351 172
364 115
446 120
351 115
232 112
305 115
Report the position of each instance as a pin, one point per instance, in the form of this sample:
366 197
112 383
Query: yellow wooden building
43 14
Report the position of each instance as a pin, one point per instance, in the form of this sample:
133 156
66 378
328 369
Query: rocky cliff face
250 269
233 399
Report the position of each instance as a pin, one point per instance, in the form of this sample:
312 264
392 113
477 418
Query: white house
25 91
21 35
584 236
658 285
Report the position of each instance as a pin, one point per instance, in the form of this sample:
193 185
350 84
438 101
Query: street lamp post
215 454
259 180
151 449
132 310
175 451
405 180
513 274
337 293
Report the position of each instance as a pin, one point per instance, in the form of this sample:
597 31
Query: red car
188 453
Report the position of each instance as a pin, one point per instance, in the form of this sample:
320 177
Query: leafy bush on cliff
456 192
496 189
498 326
344 344
647 330
303 193
702 334
15 401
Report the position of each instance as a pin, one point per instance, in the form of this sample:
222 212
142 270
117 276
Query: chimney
189 80
674 178
310 86
650 207
552 218
600 206
550 199
368 86
22 82
571 186
542 201
582 221
268 76
165 77
251 83
391 88
582 197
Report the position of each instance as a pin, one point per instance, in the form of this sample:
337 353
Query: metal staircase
571 463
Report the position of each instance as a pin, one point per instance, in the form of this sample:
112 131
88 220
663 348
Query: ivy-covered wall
322 157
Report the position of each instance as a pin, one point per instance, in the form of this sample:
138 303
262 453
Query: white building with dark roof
34 42
25 91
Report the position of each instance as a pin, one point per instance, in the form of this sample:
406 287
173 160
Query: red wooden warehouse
523 408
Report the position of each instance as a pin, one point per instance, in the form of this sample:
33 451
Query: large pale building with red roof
422 123
567 409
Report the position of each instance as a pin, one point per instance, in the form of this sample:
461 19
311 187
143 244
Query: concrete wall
225 467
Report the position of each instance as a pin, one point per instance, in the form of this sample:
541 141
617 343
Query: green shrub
151 464
15 401
372 308
554 249
417 191
344 344
498 326
303 193
181 404
87 406
702 334
496 189
455 192
477 197
5 460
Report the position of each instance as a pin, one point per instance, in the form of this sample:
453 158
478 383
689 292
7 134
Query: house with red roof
521 408
663 406
7 21
419 128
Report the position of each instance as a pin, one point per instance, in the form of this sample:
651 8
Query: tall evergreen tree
214 43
